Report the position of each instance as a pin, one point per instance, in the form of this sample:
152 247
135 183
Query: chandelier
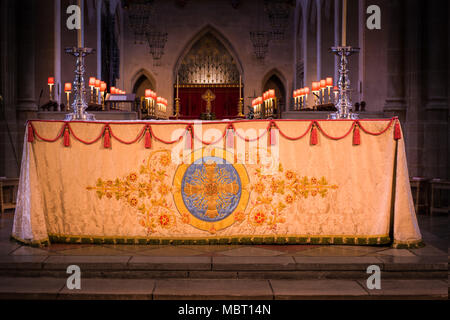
140 17
156 42
278 12
260 41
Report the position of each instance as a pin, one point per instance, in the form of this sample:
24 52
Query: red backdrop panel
224 106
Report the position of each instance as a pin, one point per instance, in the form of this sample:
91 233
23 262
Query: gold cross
208 96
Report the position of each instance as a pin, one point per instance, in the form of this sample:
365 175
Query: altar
215 182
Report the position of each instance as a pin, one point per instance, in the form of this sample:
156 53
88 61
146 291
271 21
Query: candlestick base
177 108
79 104
344 104
240 108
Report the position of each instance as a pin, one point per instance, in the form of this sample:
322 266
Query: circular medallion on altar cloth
211 189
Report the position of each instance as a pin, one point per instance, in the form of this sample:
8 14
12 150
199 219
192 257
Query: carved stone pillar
415 117
395 101
8 164
436 138
26 96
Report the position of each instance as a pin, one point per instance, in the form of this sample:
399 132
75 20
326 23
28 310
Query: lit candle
329 81
102 86
344 23
323 85
51 82
306 95
68 89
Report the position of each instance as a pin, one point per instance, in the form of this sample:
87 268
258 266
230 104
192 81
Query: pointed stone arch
219 36
139 77
280 82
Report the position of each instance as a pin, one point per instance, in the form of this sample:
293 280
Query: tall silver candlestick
344 104
79 104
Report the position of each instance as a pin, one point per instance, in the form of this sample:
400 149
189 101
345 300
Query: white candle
344 23
79 31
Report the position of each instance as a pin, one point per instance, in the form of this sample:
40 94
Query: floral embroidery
186 218
239 216
132 177
147 191
164 160
259 187
284 190
259 217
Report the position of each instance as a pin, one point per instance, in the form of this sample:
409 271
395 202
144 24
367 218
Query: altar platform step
238 268
185 289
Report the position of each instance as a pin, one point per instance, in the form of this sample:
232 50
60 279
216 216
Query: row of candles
156 106
264 106
98 89
318 90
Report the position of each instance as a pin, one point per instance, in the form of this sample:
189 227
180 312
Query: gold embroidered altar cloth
266 181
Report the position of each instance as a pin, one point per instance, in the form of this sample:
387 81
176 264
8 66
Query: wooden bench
439 186
419 188
8 193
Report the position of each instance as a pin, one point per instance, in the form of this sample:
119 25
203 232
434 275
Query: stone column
59 87
26 96
395 101
337 39
415 116
436 138
319 39
305 40
8 146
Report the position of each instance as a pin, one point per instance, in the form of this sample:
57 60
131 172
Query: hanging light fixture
156 42
260 41
259 37
278 12
140 14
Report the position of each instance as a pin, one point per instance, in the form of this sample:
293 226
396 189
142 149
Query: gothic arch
274 72
142 73
219 36
281 83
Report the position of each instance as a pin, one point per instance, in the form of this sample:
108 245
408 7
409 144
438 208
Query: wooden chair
8 193
419 188
440 202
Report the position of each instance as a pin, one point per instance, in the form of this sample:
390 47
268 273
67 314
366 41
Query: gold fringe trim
340 240
33 243
413 244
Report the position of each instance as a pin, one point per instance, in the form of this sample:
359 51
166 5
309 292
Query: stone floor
238 271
